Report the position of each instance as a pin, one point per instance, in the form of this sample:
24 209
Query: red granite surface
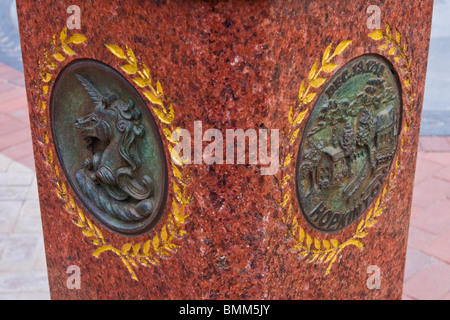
231 65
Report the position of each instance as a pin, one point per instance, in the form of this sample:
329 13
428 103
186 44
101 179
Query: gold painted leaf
129 68
317 244
377 34
177 191
312 72
329 67
316 83
159 88
392 51
294 136
166 118
360 226
140 82
300 117
398 36
131 55
388 30
326 54
155 242
334 243
175 156
88 233
294 225
67 50
371 222
309 98
136 248
126 247
326 244
116 50
291 115
46 77
287 160
152 98
146 247
58 56
309 241
168 134
301 90
63 35
164 234
362 234
76 38
146 71
383 46
355 242
301 235
341 47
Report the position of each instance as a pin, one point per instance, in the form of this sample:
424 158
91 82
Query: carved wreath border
162 244
311 248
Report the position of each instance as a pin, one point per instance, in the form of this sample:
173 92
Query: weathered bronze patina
109 146
349 143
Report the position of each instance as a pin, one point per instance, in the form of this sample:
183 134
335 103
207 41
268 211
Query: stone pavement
22 260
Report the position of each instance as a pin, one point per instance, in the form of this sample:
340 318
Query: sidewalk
22 263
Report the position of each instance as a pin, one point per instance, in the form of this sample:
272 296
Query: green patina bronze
109 147
348 144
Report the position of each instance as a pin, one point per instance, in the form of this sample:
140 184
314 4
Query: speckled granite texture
229 64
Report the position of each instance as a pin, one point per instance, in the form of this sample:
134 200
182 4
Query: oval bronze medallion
348 144
109 147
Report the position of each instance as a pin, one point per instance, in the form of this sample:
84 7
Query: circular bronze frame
107 74
313 115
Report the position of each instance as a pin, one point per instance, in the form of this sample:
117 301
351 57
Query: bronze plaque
348 144
109 147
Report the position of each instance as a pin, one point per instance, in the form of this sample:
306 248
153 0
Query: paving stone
443 174
438 157
18 167
419 239
13 192
429 191
425 168
433 143
4 162
23 282
435 218
431 283
20 252
33 193
416 261
44 295
41 262
440 247
11 178
30 224
9 212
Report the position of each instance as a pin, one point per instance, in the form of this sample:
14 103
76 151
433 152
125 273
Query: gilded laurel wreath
327 250
162 244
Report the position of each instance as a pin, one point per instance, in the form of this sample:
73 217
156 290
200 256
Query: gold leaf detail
341 47
76 38
116 50
329 67
316 83
376 35
129 68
